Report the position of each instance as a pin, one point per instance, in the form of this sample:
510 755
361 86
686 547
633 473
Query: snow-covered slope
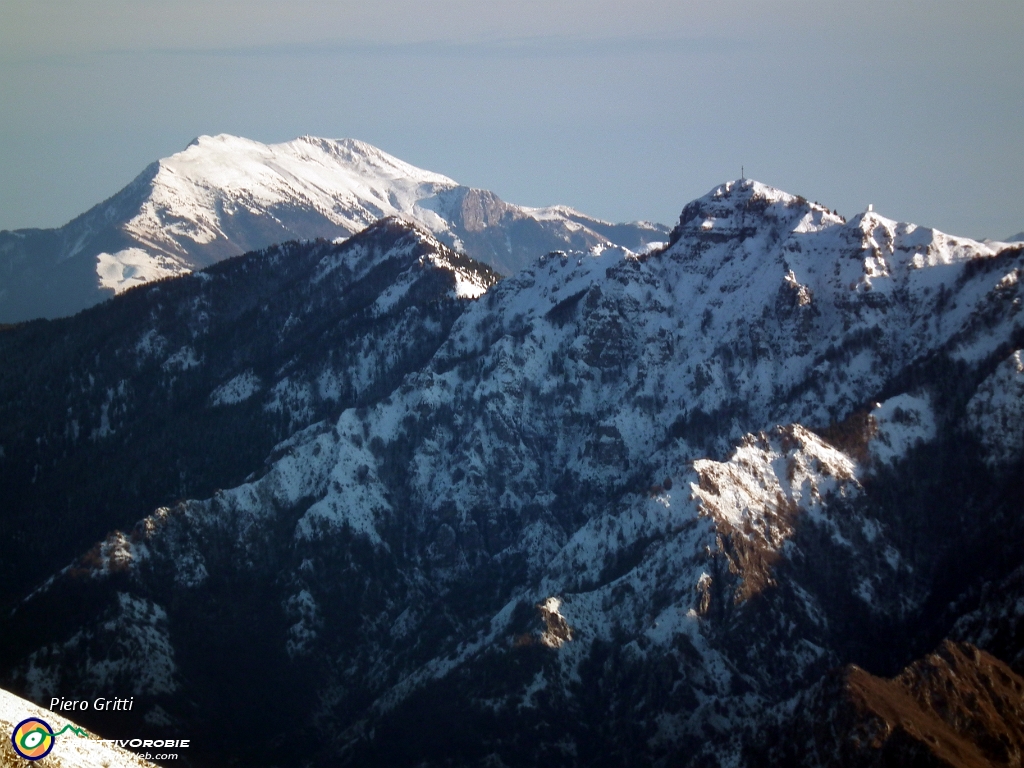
212 194
225 195
194 380
630 505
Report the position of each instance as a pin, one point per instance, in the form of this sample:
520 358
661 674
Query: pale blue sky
917 107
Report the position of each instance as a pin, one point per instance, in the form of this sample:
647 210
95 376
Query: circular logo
33 738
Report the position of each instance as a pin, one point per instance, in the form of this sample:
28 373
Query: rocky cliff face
956 707
624 511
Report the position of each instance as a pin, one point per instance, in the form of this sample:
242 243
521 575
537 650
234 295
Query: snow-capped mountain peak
233 163
224 195
738 207
196 193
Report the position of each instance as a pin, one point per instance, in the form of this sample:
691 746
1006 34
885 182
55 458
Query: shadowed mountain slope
625 510
956 708
184 386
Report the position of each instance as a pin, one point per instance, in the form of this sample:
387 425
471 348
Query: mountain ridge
164 355
624 508
957 706
224 195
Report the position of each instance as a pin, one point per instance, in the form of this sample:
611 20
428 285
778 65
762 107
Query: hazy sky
917 107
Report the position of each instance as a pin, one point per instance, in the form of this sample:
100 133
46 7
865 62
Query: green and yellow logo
34 738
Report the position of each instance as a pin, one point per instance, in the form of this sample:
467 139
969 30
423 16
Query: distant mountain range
225 195
750 499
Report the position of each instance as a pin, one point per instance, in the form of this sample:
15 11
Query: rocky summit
751 498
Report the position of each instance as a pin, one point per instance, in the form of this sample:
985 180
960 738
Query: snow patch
303 608
901 422
150 344
141 648
128 652
182 360
238 390
133 266
355 498
996 412
294 398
